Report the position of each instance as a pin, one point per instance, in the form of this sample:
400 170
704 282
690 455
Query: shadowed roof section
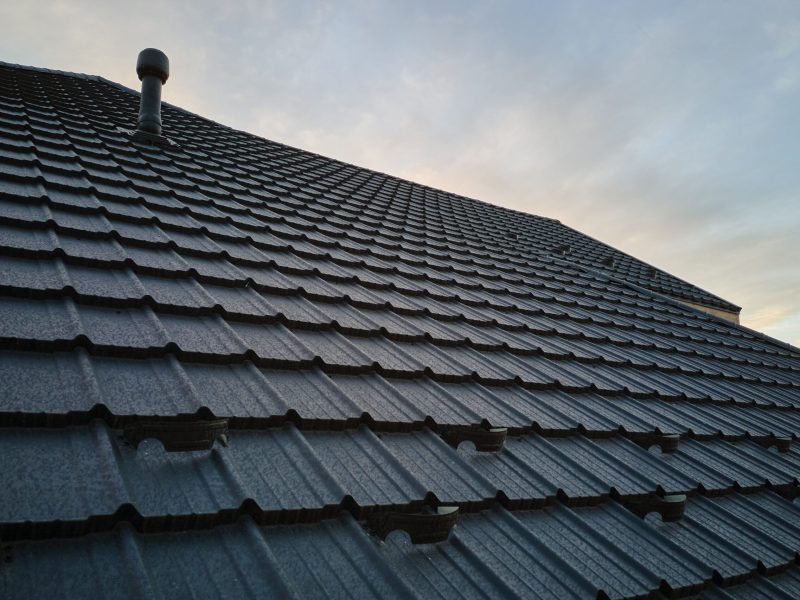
331 355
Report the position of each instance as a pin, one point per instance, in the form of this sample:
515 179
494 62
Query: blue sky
670 130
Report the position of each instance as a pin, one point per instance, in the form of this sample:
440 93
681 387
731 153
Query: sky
669 130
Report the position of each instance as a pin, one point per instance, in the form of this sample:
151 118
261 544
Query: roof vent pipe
152 67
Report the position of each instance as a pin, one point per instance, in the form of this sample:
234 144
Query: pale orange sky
668 130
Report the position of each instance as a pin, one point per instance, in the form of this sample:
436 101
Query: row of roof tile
124 287
63 324
558 552
568 319
70 480
75 384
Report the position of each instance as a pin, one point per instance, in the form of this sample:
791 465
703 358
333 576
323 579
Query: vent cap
152 67
152 62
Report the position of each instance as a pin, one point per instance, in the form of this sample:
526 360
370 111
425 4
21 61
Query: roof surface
348 327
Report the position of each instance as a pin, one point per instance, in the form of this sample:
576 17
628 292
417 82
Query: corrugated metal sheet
341 320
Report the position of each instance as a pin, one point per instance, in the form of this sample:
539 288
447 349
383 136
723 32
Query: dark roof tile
341 320
38 321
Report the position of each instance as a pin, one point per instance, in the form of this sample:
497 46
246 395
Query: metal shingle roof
343 322
556 552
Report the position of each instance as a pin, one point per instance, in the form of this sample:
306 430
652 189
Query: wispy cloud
670 130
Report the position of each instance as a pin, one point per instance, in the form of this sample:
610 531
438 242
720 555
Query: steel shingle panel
201 300
268 277
283 469
267 341
140 387
677 417
770 516
334 349
509 472
209 335
352 567
544 409
24 212
97 473
158 260
17 238
366 469
571 411
297 308
566 475
35 382
490 555
483 402
428 399
749 462
578 543
39 484
654 556
445 403
88 248
30 273
90 567
720 538
784 586
133 328
179 292
386 402
140 252
125 564
313 394
629 472
233 390
450 362
436 466
39 321
651 465
146 233
213 268
19 190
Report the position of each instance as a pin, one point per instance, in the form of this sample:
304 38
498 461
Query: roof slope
348 326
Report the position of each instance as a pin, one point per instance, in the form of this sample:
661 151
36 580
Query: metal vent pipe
152 67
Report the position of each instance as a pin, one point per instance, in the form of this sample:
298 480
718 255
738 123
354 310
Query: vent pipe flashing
152 67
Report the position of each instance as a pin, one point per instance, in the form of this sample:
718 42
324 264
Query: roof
317 338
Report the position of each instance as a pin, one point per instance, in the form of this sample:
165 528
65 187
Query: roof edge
732 306
675 301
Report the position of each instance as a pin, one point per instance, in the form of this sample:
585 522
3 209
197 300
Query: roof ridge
11 65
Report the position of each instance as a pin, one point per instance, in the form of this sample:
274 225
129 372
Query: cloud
669 130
